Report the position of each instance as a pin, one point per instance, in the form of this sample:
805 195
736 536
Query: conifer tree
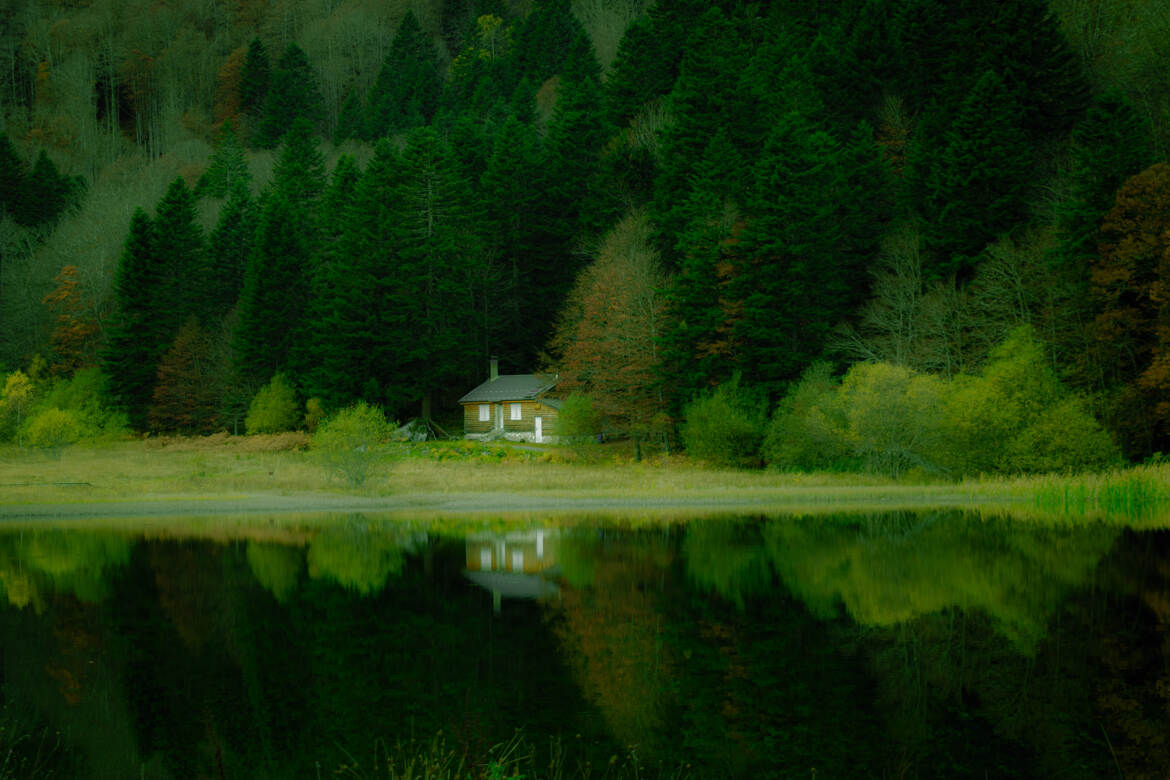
552 42
46 193
351 118
509 201
698 346
299 174
186 388
228 248
292 94
978 180
345 331
136 336
227 169
254 80
429 297
406 92
275 293
179 249
708 84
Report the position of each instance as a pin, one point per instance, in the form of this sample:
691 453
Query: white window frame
514 412
485 412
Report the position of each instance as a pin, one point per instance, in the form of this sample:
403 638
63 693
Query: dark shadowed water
934 644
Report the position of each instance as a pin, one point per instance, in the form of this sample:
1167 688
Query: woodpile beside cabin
514 407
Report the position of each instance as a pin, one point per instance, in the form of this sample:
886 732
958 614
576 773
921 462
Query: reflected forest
905 645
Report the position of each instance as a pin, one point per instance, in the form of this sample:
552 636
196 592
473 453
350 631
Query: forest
926 236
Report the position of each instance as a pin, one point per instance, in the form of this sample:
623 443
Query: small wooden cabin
511 406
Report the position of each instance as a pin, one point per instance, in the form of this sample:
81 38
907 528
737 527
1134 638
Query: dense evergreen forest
829 215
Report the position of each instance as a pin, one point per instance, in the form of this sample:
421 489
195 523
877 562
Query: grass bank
277 474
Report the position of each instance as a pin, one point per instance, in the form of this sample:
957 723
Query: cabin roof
510 387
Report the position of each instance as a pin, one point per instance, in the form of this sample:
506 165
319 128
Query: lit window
485 412
515 411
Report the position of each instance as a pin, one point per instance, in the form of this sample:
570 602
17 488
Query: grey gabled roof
510 387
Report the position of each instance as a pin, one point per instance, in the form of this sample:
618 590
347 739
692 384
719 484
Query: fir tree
292 94
254 80
351 119
46 193
429 299
552 42
275 292
344 331
978 180
406 92
178 245
136 336
228 168
228 248
299 174
509 203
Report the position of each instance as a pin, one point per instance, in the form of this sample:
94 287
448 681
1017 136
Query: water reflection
909 644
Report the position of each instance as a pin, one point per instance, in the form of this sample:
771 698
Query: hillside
369 199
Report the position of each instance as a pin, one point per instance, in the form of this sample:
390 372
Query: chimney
495 372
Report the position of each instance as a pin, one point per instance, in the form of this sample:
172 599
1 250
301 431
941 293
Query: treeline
735 194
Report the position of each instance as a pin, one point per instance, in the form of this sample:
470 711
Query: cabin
515 407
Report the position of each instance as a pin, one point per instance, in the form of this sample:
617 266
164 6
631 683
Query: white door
539 438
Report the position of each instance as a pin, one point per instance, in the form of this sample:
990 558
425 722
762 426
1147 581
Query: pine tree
978 181
431 338
351 119
292 94
254 79
343 330
698 346
179 249
228 248
186 388
552 42
136 339
299 174
406 92
708 84
509 203
228 168
46 193
274 298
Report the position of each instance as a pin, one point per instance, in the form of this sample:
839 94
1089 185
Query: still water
932 644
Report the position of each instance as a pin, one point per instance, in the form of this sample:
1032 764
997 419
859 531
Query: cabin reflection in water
513 565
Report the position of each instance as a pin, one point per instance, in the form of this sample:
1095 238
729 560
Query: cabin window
514 411
485 412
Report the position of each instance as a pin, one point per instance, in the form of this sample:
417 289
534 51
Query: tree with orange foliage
607 337
1131 285
229 106
74 339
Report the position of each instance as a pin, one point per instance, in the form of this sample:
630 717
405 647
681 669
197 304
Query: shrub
807 430
51 429
347 443
578 421
16 398
274 409
82 396
725 426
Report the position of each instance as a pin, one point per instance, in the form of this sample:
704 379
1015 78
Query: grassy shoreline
276 475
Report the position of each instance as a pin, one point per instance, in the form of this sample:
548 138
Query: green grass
493 478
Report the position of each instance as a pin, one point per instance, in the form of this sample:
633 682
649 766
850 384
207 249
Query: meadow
279 473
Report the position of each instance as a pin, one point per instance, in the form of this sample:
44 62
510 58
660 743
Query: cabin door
539 438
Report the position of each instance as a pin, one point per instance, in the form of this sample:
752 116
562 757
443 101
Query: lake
911 644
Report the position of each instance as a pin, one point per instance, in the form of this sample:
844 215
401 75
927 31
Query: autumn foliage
607 338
